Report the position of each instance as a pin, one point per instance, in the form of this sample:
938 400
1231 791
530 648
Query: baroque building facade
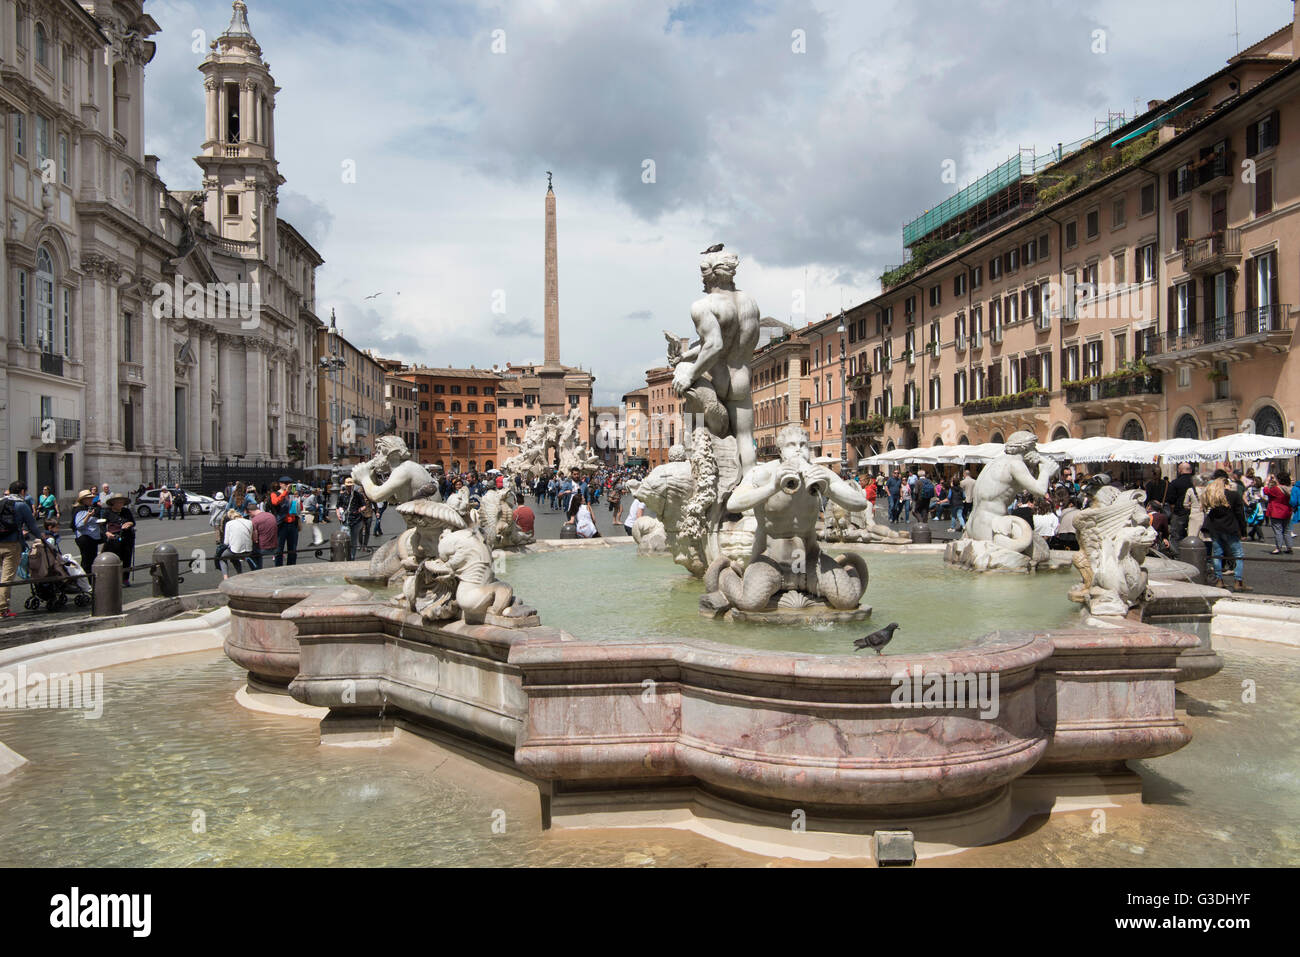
146 330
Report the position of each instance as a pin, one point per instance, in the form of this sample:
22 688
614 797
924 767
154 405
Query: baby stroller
65 579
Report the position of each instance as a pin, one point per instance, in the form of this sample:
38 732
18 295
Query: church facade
146 330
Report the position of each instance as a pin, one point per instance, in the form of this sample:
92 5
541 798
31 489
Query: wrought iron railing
1113 388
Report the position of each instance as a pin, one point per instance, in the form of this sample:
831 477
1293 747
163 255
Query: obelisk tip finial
548 182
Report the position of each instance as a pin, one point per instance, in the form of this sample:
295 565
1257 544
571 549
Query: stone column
247 109
255 414
112 400
210 127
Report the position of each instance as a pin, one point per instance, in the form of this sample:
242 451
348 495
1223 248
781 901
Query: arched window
42 46
44 300
964 440
1268 421
1186 427
938 440
1133 431
997 437
1061 433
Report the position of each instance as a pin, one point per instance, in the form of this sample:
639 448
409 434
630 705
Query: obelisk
552 372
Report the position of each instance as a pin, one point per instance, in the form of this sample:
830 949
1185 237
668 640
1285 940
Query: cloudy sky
802 134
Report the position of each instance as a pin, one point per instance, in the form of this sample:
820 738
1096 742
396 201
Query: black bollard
568 531
106 577
921 534
166 572
340 542
1192 551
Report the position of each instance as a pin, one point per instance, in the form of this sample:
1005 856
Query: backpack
8 518
927 488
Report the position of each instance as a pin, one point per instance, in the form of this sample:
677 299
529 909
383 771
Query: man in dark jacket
351 501
1175 498
16 518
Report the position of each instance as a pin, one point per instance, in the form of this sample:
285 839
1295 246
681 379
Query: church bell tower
240 174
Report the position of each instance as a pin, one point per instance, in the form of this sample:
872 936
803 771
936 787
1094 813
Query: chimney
1152 104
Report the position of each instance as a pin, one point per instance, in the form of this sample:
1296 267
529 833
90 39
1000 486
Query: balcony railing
871 425
50 430
1216 331
860 381
1115 388
1212 253
1209 170
51 364
1035 399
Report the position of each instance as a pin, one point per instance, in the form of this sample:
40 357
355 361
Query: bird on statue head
715 248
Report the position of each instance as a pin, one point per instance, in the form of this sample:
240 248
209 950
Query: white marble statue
844 525
665 491
712 373
497 519
993 538
787 569
449 574
392 477
1114 534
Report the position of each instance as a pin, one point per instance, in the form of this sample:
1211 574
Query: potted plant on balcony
900 414
1216 375
297 450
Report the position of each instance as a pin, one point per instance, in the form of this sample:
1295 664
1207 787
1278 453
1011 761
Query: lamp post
844 422
332 363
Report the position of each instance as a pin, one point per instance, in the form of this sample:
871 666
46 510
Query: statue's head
392 449
719 270
677 453
793 443
1021 443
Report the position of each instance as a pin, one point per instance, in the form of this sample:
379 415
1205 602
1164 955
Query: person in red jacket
1277 510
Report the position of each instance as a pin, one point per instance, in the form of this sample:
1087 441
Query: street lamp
332 363
844 422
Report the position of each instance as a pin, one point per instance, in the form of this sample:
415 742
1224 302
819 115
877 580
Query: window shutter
1252 139
1171 317
1251 297
1264 192
1272 278
1277 127
1191 307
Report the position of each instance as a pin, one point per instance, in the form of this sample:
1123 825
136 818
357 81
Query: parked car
146 504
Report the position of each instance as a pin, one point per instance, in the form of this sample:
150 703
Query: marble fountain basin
620 728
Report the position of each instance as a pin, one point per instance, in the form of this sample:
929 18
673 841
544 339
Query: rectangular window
1263 135
1092 224
67 471
976 276
126 338
1042 247
1117 212
42 139
232 204
959 284
1147 201
67 65
1013 260
1263 192
1092 359
1184 377
995 268
1071 234
1117 268
67 322
936 295
16 121
1182 228
1120 343
65 174
1145 264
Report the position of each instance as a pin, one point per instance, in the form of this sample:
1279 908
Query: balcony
1213 253
871 425
49 430
51 364
1245 335
902 415
1003 404
1212 171
1128 390
860 382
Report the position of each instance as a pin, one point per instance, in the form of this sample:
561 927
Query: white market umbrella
1095 449
1134 451
1249 446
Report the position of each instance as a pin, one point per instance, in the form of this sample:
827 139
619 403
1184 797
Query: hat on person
219 497
118 497
84 494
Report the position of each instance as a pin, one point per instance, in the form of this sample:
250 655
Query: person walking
47 506
87 528
956 508
894 486
1176 500
1277 510
351 501
164 503
16 521
1225 523
178 501
905 499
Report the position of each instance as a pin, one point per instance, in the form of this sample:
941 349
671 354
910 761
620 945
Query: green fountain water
614 594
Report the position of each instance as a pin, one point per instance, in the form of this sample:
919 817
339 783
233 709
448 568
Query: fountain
728 723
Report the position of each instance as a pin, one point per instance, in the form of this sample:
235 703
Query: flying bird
716 248
372 297
877 639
